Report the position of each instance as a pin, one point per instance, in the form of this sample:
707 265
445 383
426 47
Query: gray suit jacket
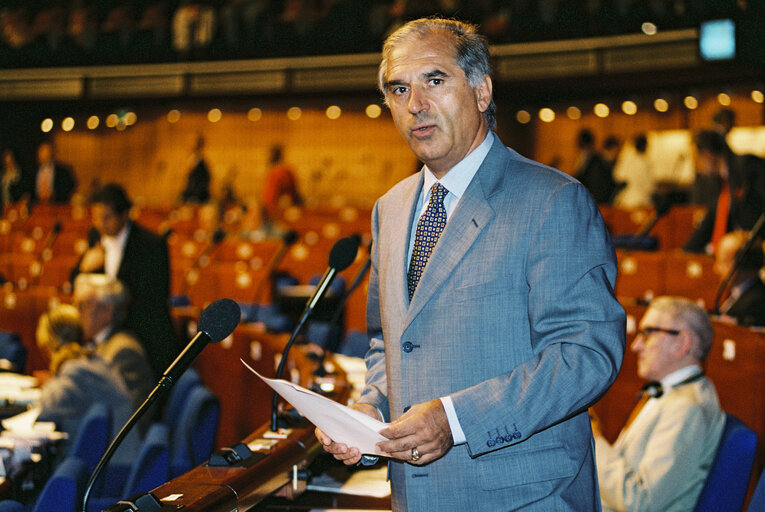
124 353
660 462
515 319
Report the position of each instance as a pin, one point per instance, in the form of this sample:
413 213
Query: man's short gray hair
691 317
107 290
471 48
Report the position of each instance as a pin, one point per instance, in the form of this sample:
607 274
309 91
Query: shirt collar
119 240
679 376
458 178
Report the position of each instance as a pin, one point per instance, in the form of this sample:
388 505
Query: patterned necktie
429 229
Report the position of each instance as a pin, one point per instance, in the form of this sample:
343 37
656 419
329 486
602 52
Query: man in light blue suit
486 366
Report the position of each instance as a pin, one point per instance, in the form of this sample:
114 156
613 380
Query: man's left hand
423 429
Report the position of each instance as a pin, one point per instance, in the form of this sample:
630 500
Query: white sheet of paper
341 423
22 422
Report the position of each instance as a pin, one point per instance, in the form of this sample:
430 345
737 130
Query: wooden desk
213 489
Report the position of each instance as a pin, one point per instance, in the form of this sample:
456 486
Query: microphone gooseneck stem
317 294
163 384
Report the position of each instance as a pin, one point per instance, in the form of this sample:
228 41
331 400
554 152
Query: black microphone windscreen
56 228
343 253
219 319
290 237
218 236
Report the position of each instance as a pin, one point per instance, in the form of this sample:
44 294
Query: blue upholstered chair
63 492
149 470
193 439
178 395
13 353
757 503
728 479
94 436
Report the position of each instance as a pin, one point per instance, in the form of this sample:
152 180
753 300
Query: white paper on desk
341 423
22 422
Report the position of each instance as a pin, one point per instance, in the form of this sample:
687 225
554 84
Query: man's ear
483 93
684 344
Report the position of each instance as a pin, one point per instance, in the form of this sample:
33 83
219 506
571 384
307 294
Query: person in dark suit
139 259
746 301
53 181
740 186
197 188
11 180
593 170
491 314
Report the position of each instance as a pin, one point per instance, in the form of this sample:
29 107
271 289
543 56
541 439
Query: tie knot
438 193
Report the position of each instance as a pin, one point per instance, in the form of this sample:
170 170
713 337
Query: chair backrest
728 478
193 439
757 503
13 353
94 435
152 466
179 393
11 506
63 492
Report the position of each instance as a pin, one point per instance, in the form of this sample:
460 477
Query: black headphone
654 389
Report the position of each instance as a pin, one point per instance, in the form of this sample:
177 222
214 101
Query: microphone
288 239
217 237
216 322
640 240
357 279
55 230
45 253
741 255
340 257
661 207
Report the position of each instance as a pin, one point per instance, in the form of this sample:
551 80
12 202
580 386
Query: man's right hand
93 259
349 455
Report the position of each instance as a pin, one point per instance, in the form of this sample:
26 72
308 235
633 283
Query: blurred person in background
79 379
139 258
662 456
746 298
737 198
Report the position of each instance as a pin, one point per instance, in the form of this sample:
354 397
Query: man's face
106 220
95 316
656 349
434 108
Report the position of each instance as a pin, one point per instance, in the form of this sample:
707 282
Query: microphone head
219 319
343 253
290 237
218 236
56 228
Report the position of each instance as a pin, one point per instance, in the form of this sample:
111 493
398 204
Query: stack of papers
342 424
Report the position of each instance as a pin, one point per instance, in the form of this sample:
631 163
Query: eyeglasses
647 331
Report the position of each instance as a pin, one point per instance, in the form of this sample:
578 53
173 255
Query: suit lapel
472 215
399 245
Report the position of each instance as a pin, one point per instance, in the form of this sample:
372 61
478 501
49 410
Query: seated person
746 301
661 458
736 198
103 301
79 379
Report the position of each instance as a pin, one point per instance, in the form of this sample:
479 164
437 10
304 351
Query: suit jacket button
408 346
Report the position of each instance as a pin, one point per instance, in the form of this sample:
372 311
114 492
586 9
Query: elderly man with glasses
662 455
